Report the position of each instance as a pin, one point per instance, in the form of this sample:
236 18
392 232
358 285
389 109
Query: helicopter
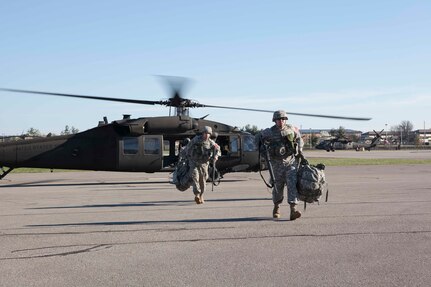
330 144
146 144
373 143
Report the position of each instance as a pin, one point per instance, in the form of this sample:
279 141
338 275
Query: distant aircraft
337 142
373 143
329 144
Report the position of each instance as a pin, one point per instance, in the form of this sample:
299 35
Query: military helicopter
330 144
147 144
373 143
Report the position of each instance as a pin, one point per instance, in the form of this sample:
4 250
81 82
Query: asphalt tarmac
135 229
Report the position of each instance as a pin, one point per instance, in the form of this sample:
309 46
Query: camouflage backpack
311 182
182 175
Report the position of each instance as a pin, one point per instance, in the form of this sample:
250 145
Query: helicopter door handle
75 152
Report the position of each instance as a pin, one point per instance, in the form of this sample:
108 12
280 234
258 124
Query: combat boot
201 198
294 213
197 199
276 211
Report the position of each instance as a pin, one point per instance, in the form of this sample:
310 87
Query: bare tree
34 132
405 126
404 131
69 131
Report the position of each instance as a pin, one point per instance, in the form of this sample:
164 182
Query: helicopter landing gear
5 172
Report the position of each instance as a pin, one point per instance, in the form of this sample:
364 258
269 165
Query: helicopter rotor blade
289 113
176 86
132 101
176 101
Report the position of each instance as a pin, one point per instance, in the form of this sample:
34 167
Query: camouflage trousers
285 173
199 174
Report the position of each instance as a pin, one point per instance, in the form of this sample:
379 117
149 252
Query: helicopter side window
130 145
151 146
233 144
249 143
223 142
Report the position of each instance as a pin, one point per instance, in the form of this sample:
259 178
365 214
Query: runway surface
135 229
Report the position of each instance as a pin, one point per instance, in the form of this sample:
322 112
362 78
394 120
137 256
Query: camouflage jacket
201 151
282 142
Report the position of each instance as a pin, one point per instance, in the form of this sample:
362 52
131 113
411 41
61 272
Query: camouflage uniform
199 152
284 144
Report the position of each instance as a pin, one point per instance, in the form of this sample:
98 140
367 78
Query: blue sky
347 58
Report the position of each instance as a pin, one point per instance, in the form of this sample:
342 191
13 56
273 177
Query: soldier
285 146
200 150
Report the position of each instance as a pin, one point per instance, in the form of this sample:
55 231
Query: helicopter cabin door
143 153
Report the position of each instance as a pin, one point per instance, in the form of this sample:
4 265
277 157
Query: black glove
301 158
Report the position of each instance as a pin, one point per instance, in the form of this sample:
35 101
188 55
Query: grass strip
366 161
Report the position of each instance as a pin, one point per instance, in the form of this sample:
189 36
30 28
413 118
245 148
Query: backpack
182 175
311 182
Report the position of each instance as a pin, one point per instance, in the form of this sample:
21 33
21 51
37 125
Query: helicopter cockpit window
233 144
151 146
130 145
249 143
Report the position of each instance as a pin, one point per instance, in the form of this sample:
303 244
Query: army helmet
280 114
207 129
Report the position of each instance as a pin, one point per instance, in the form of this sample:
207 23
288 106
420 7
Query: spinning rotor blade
175 85
175 101
143 102
289 113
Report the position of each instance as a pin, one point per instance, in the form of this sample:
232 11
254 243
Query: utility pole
401 142
310 138
386 131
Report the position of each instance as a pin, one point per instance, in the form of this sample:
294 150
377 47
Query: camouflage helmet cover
207 129
280 114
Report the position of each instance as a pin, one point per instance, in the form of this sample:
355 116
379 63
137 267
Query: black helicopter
374 141
148 144
332 143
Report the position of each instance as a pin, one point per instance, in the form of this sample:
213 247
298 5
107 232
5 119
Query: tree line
404 129
33 132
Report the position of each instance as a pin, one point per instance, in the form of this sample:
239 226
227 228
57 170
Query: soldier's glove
300 157
321 166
